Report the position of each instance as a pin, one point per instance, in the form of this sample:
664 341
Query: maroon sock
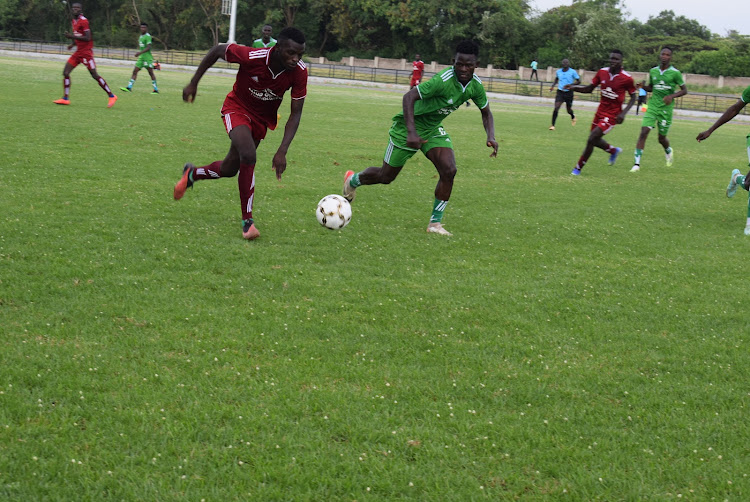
610 148
246 182
209 172
66 87
582 162
103 85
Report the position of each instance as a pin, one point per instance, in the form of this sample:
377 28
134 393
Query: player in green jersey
419 127
145 59
266 41
736 178
664 80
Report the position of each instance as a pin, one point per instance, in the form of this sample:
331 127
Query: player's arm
683 90
412 138
647 87
144 51
622 114
552 88
728 115
585 89
292 124
211 57
489 126
85 37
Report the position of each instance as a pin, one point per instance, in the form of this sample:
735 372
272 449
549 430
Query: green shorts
658 117
144 60
397 153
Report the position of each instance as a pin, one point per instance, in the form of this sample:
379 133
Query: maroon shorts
85 58
234 118
414 81
603 122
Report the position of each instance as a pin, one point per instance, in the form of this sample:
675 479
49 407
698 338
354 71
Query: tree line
510 32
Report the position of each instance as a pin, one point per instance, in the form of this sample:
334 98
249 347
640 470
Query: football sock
103 85
668 150
246 182
130 83
354 181
66 91
581 162
554 117
153 82
610 149
437 210
209 172
638 154
246 223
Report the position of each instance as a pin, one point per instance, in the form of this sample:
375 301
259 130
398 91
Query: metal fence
693 101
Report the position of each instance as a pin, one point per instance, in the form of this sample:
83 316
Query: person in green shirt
266 41
145 59
664 82
736 179
419 127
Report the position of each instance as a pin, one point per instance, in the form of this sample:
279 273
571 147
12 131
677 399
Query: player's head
615 59
266 31
144 28
290 47
416 57
665 56
465 60
76 8
565 64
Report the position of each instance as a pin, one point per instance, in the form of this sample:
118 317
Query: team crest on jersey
609 93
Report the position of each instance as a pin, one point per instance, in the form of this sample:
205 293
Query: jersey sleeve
630 86
299 84
432 87
679 79
575 76
146 40
597 79
236 53
84 25
746 95
480 97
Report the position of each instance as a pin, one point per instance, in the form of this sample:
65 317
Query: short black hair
616 51
668 48
144 24
467 47
291 33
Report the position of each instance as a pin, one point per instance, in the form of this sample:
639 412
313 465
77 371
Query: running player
419 127
417 70
84 54
614 83
564 76
266 41
664 80
145 60
736 178
249 110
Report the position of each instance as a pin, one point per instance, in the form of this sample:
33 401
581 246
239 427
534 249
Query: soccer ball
334 212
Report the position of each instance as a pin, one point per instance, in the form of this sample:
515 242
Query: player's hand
620 118
492 144
668 99
568 86
189 92
703 135
69 35
414 141
279 164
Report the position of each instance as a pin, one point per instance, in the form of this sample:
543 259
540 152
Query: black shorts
565 97
642 99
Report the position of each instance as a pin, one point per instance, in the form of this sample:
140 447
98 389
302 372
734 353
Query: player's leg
134 76
594 137
393 161
558 103
444 161
665 121
91 66
668 151
639 146
242 161
153 79
66 83
569 107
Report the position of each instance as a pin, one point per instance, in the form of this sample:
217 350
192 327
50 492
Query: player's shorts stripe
228 122
389 152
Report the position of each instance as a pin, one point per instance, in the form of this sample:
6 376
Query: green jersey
260 44
440 96
143 42
664 83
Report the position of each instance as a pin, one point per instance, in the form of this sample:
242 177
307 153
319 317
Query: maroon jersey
417 67
80 26
257 90
613 89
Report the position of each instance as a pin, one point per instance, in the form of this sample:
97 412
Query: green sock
668 150
438 208
130 84
354 181
247 222
638 154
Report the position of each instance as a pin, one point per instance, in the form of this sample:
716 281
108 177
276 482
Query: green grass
578 338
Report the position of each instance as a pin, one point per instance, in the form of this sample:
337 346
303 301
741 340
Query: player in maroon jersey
249 110
84 54
417 70
614 83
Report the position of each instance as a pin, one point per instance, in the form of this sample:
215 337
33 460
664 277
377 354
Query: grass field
576 339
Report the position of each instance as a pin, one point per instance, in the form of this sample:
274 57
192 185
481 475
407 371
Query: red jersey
613 89
80 26
257 90
417 68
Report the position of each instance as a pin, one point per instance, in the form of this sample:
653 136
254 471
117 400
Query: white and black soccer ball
334 212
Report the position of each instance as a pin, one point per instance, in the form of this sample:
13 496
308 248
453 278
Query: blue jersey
566 77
